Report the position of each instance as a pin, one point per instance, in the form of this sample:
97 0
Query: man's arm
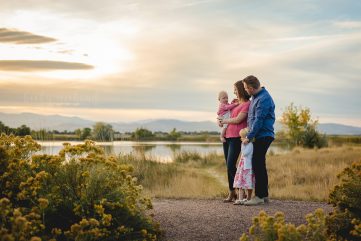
262 109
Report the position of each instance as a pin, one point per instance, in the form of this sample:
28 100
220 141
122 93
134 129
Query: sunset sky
127 60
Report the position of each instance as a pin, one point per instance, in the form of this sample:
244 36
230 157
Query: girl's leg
240 194
249 194
243 195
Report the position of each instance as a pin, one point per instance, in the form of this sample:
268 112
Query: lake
163 151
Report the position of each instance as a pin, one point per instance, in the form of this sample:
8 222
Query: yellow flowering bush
271 228
80 194
344 223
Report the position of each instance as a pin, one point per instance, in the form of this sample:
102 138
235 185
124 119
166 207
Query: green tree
174 134
42 135
23 130
86 133
142 134
5 129
301 129
78 132
103 132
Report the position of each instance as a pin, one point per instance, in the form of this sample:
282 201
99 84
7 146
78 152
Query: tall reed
174 180
302 174
308 174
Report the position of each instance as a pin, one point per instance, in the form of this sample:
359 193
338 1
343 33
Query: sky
129 60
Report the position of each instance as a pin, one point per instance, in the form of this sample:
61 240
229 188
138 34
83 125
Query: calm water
161 151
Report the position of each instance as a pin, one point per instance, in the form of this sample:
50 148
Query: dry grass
188 184
181 179
302 174
305 174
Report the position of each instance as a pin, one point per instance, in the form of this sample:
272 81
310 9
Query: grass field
302 174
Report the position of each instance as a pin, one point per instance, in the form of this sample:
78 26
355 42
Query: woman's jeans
231 149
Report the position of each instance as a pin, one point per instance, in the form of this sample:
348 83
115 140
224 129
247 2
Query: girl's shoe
240 202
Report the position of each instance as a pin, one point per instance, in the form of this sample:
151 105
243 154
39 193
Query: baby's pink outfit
224 108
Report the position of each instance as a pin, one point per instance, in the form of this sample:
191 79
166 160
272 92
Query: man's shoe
266 199
254 201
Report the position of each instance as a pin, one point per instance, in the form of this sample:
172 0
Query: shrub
312 138
301 129
274 228
80 194
345 221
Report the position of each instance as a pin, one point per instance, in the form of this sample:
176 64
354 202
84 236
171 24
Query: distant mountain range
61 123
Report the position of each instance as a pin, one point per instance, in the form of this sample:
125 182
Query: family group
247 130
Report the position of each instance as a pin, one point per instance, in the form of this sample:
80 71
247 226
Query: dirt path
188 219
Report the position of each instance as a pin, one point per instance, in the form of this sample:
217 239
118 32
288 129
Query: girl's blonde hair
243 132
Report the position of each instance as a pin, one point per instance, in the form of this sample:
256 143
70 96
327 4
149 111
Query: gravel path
188 219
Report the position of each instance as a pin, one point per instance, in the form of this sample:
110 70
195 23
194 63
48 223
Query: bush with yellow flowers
79 194
344 223
271 228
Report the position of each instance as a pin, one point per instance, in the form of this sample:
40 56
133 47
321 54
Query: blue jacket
261 115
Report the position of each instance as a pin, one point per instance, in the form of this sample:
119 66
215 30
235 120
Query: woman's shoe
231 197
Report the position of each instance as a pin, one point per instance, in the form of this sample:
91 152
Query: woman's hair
241 92
252 81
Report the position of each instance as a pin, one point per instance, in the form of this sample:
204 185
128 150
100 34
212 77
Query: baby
224 111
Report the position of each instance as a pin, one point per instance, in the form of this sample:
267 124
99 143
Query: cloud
22 37
348 24
36 65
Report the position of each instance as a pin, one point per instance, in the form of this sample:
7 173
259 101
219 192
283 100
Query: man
261 118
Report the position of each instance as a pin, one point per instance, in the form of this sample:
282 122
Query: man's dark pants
260 147
231 149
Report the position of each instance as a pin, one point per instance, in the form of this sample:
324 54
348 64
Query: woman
232 146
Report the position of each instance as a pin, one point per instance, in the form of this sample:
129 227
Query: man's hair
252 81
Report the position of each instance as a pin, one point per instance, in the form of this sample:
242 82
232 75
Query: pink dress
244 178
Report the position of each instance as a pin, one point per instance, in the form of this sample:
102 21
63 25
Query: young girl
224 111
244 179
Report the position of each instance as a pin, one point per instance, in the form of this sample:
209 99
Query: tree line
299 130
100 131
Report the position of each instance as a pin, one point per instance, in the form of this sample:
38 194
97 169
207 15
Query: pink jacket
223 108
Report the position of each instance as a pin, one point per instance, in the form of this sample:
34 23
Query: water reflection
174 147
160 151
108 149
142 149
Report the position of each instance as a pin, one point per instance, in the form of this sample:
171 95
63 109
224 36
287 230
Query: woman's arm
238 119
